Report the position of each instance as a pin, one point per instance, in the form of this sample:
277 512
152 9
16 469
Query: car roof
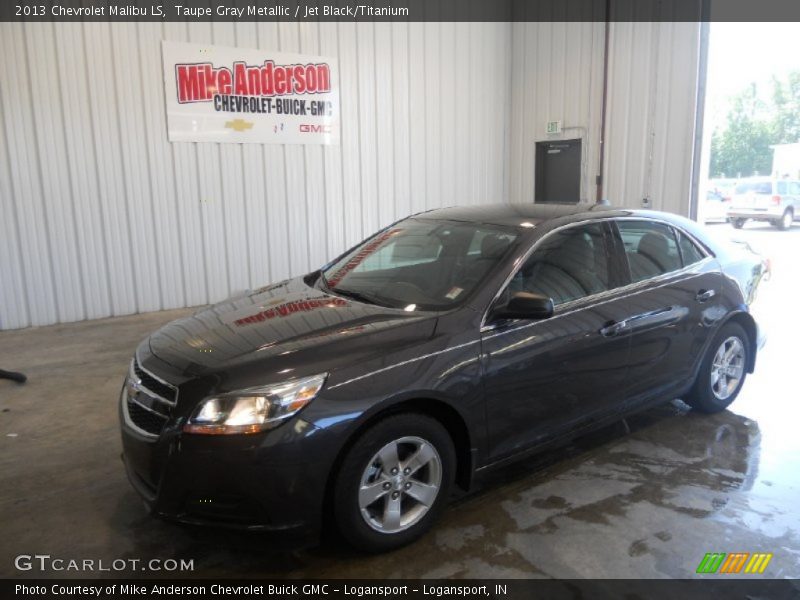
531 216
524 215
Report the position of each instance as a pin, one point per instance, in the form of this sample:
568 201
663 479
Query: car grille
144 419
148 400
164 390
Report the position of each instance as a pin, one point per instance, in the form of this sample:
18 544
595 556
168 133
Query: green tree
786 109
742 146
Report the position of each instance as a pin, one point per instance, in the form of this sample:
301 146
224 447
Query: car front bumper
271 481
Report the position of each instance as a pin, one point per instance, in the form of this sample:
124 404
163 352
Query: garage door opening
749 192
750 159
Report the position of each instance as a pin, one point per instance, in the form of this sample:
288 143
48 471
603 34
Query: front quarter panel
445 369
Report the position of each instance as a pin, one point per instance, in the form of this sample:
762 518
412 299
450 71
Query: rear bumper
757 214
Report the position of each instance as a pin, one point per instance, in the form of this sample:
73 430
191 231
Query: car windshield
754 187
419 264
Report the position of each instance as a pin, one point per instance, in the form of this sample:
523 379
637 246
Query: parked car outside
715 207
776 201
718 194
440 348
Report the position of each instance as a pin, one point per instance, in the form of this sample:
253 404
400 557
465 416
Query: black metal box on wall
558 171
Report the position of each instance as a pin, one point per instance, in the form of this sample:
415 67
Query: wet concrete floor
647 497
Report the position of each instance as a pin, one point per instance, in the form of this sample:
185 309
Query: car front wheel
722 372
393 482
737 223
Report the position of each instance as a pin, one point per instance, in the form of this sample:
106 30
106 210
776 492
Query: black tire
737 223
347 511
702 396
785 222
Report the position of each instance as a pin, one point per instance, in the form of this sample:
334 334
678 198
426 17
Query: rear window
690 253
754 187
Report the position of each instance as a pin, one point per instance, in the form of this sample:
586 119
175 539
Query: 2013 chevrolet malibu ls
447 344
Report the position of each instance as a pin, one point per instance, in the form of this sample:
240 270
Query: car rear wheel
737 223
785 221
722 372
393 482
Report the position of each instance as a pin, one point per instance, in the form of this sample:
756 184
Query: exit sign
553 127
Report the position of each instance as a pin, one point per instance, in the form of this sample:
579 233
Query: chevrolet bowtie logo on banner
218 94
239 125
735 562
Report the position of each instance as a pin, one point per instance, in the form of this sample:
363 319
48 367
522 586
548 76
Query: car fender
742 316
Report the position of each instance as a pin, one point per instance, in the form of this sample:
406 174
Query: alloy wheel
727 368
400 484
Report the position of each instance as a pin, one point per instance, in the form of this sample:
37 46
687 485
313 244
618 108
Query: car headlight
253 409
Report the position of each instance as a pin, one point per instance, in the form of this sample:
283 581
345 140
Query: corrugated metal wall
557 74
650 123
100 215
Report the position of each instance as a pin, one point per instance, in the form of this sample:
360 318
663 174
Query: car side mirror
525 305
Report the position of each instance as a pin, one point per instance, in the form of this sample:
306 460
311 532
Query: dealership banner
222 94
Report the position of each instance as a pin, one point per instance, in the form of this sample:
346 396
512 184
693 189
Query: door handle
613 328
654 318
705 295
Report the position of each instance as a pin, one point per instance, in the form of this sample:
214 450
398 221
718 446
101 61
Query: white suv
765 199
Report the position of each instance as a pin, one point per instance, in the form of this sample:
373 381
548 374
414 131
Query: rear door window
651 248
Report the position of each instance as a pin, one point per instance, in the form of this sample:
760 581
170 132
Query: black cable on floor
13 376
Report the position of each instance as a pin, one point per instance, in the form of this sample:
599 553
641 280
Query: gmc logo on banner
304 128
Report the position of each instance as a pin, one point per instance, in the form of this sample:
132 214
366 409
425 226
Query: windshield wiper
324 282
360 296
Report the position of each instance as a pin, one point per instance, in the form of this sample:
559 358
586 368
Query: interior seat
652 257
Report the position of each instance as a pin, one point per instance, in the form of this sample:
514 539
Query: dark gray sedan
443 346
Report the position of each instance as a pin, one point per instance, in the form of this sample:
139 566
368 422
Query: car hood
290 322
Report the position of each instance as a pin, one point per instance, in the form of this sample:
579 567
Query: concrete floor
649 503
